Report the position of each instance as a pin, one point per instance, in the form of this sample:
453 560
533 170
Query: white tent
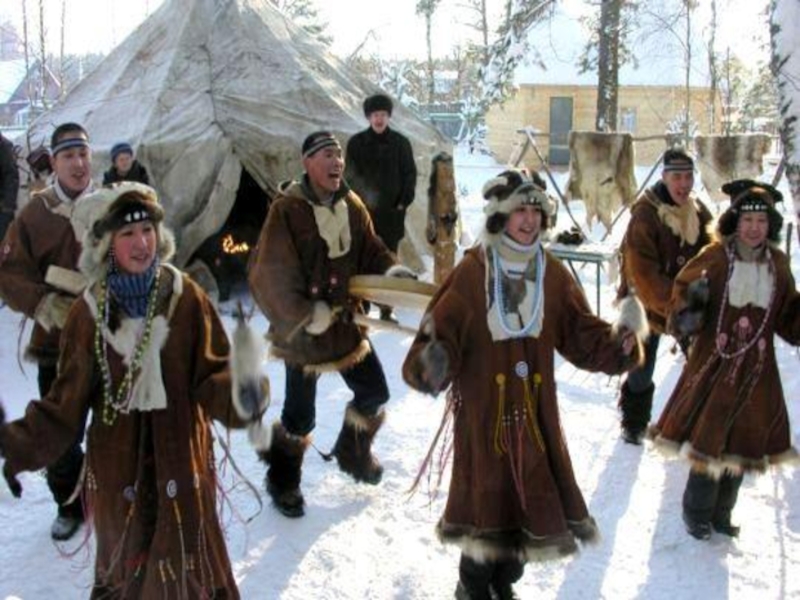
206 88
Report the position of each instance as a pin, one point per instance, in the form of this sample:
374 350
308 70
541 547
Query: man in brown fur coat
43 236
317 235
668 226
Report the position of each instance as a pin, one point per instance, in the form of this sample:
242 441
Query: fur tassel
259 436
632 317
250 393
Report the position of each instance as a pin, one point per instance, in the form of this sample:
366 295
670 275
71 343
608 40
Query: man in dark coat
668 226
381 170
9 184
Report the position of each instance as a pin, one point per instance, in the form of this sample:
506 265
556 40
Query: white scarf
516 265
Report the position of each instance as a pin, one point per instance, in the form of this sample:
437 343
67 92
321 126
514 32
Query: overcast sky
98 25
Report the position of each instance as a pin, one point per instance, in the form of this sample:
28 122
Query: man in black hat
668 226
9 184
381 170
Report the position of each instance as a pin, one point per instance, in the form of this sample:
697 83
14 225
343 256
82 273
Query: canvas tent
210 90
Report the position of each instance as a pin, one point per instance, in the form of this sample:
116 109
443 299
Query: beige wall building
555 110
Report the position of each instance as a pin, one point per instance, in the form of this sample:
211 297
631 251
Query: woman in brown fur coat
145 354
728 415
491 333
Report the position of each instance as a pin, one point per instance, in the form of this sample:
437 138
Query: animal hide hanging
601 173
723 158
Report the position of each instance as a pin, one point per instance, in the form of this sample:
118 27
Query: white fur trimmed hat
514 188
97 216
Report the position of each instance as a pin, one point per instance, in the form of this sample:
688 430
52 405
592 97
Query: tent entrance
220 262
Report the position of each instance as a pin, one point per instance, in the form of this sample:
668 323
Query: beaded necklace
114 403
499 299
720 336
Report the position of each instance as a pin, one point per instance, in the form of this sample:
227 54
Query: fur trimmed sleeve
50 426
443 335
276 276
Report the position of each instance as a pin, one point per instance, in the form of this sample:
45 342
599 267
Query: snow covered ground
358 541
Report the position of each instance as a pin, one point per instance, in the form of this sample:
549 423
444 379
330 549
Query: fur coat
512 499
150 482
730 413
41 235
292 269
659 241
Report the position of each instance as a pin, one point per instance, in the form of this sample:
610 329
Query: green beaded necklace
114 403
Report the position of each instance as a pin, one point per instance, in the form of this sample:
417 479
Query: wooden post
442 216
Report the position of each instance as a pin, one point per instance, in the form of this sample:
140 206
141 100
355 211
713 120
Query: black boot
62 478
386 314
285 460
699 500
473 580
353 448
636 408
726 500
506 573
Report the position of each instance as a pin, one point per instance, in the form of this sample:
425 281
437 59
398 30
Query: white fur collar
683 221
148 391
751 283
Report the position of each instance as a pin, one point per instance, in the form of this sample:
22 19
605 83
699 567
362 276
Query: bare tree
608 66
426 9
42 56
480 23
785 40
305 14
713 70
62 89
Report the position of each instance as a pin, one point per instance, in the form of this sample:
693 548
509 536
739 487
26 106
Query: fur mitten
690 319
321 318
401 272
250 387
53 310
433 364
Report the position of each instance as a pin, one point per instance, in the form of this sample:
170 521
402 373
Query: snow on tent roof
12 74
205 88
660 56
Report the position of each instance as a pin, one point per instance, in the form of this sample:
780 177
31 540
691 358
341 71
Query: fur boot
506 574
473 580
353 448
636 409
699 500
726 500
285 460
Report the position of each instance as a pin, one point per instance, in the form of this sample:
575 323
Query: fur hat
751 196
511 189
677 159
378 102
120 148
103 212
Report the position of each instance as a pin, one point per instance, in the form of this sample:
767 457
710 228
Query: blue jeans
365 379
